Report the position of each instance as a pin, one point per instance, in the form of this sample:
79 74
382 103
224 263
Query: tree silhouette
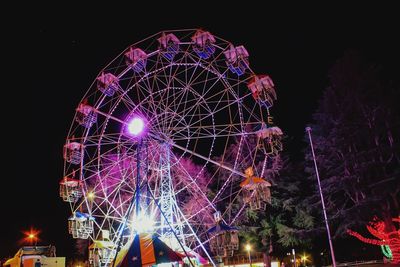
356 134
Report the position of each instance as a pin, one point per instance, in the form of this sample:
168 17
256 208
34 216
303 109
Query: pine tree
356 136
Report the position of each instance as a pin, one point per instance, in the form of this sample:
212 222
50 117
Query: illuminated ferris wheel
173 137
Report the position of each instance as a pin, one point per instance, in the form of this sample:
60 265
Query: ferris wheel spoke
207 116
110 202
218 134
208 159
193 183
204 68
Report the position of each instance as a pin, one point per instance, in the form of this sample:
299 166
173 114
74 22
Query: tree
356 135
284 224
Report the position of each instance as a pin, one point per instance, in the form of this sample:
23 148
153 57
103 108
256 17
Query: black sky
56 53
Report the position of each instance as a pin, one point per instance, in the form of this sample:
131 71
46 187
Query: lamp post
308 129
294 257
248 248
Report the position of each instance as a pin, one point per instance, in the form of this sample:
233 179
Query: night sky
54 56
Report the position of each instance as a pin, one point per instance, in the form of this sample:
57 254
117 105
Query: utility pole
294 257
248 248
308 129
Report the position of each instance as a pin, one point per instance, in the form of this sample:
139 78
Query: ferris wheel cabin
136 58
85 116
169 45
256 191
80 225
224 239
237 59
203 44
70 189
107 83
262 88
270 139
102 251
73 152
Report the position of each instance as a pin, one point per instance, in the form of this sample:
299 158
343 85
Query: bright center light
136 126
90 195
248 247
31 236
143 223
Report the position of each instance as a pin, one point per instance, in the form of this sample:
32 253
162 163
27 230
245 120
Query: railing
356 263
244 258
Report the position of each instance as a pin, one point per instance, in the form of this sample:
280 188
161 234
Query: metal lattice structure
202 130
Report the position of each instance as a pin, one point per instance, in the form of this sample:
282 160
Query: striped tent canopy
146 250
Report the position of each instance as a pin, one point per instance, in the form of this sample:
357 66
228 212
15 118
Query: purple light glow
136 126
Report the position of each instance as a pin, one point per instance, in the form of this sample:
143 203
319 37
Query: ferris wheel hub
136 126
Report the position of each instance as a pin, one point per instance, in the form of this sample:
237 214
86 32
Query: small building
36 256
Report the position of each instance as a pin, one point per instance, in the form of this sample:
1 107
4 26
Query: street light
308 130
248 248
294 257
91 196
32 238
304 259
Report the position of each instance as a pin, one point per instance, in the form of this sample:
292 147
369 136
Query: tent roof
146 249
102 244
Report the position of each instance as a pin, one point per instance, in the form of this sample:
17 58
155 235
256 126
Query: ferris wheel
174 137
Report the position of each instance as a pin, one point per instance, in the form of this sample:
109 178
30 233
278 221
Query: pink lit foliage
115 180
193 201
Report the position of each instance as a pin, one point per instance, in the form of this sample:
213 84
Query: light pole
308 129
294 257
248 248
